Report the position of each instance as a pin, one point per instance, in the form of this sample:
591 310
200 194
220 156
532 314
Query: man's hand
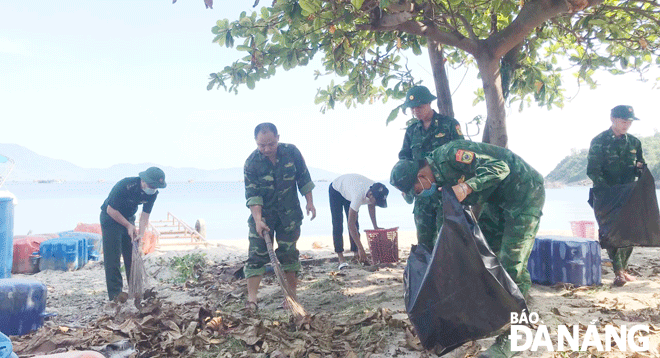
310 208
261 227
362 256
132 232
461 190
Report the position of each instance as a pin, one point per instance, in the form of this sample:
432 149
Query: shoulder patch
439 135
458 129
464 156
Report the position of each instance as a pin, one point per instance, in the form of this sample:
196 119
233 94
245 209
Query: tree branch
429 30
532 15
643 13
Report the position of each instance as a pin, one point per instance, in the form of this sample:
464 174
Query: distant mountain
31 166
573 168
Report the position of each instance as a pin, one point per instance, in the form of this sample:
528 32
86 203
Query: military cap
403 177
417 96
623 112
154 177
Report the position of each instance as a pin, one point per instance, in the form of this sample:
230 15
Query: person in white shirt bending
348 192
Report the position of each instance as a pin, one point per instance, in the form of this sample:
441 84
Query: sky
99 83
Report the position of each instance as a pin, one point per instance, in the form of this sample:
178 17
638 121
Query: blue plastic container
556 259
6 236
22 306
94 243
63 253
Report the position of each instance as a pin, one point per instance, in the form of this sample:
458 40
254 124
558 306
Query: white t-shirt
354 188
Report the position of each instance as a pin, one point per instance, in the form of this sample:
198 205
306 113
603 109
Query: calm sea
55 207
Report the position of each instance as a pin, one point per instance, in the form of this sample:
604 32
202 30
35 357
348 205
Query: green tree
519 47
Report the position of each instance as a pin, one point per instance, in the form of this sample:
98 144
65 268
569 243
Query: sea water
55 207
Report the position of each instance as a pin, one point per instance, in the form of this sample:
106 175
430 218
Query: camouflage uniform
510 191
273 186
417 144
612 161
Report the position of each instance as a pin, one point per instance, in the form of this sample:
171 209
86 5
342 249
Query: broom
296 308
136 281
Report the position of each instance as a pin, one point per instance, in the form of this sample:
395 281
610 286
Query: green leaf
393 114
229 40
357 4
249 81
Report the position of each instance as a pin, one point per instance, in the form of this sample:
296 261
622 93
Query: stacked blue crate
573 260
63 253
94 243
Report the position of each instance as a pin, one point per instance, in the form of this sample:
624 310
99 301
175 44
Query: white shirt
354 188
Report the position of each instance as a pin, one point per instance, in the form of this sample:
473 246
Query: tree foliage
520 47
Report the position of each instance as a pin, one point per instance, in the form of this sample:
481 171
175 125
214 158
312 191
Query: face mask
149 191
428 192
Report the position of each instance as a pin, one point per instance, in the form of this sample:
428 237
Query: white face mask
149 191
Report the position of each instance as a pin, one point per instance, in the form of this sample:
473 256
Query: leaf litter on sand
159 328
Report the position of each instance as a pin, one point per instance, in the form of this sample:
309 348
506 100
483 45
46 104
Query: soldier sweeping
118 222
274 173
510 191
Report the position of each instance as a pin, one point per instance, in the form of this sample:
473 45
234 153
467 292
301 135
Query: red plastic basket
586 229
384 245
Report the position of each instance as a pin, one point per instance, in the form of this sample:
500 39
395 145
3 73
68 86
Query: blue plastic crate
94 243
573 260
63 253
22 306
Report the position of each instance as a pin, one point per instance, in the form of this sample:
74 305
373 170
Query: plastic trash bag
460 292
627 214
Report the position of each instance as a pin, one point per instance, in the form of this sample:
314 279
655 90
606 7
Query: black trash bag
460 292
627 214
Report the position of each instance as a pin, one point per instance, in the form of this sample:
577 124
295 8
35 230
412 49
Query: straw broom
136 281
296 308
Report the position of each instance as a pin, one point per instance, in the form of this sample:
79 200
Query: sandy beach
356 312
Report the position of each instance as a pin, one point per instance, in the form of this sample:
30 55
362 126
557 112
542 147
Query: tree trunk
445 105
495 129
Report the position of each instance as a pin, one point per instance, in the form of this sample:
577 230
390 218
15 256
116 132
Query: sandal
619 280
251 307
629 277
343 265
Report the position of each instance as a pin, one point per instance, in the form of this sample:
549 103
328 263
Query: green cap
403 178
417 96
623 112
154 177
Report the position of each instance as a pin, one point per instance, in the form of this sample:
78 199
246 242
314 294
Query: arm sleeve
406 150
149 205
116 195
303 178
488 172
594 164
250 179
640 153
456 130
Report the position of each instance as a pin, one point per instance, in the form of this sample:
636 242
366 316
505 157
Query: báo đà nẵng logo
573 338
